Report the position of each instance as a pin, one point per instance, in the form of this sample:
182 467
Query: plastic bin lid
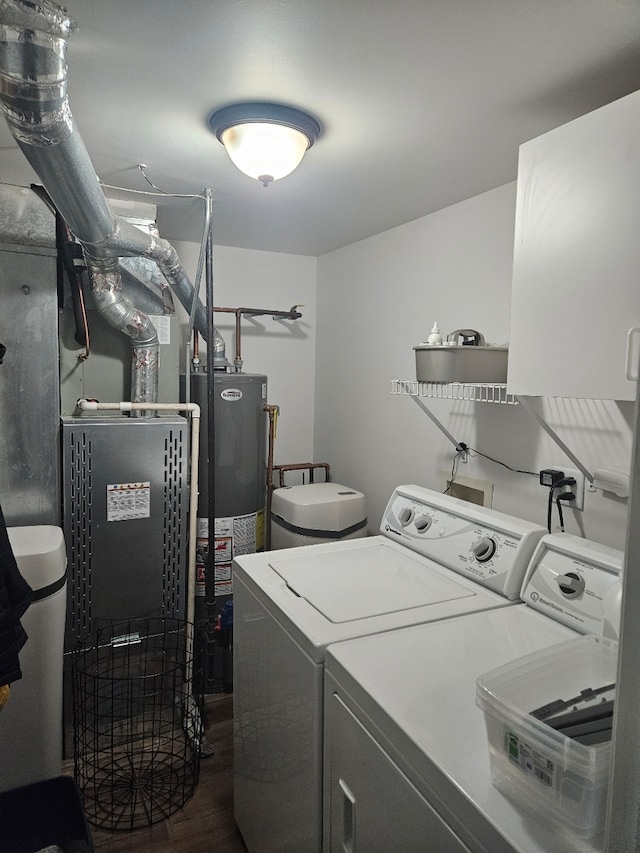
319 506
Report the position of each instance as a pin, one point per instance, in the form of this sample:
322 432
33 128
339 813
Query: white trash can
314 513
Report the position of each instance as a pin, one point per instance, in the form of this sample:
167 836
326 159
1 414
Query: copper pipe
195 352
303 466
238 359
273 412
291 314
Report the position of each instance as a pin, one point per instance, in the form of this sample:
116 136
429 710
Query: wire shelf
475 393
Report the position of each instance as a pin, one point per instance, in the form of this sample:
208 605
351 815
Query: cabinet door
373 807
576 274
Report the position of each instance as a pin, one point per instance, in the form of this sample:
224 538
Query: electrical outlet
578 489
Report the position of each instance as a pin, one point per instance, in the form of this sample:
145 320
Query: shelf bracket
488 393
524 401
459 446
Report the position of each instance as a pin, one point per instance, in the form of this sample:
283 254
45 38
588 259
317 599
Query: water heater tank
240 428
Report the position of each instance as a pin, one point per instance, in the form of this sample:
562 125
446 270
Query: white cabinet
576 275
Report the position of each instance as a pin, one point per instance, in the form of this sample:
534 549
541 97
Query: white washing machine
406 755
437 557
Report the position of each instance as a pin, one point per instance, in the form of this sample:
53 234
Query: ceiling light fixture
265 141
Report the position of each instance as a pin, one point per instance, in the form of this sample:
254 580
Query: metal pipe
195 300
196 348
34 101
291 314
210 588
219 352
122 315
303 466
237 361
193 364
273 412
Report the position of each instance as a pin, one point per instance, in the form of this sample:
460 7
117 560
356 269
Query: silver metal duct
33 98
220 359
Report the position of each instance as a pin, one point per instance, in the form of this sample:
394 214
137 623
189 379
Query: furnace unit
125 519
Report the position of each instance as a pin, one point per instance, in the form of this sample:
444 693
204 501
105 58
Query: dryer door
359 776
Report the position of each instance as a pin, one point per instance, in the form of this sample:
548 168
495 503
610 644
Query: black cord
560 517
549 508
462 448
504 464
563 496
454 469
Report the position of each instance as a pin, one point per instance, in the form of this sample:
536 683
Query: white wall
282 349
377 299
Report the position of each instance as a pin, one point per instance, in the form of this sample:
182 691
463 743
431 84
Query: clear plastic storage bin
544 771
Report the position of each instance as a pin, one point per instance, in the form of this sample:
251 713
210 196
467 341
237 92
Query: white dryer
406 755
436 558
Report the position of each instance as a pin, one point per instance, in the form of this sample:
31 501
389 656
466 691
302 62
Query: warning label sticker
162 326
128 500
234 535
223 580
243 531
224 549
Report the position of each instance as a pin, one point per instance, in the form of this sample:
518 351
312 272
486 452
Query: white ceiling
423 103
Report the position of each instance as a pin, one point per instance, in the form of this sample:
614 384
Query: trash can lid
40 553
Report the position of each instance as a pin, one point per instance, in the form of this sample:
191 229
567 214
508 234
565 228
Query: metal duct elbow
33 98
122 315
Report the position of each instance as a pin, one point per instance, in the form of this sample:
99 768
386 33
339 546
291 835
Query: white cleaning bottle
435 338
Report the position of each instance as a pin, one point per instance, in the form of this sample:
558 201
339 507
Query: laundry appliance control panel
571 580
487 546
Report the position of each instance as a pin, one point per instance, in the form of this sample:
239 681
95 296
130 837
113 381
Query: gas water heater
240 473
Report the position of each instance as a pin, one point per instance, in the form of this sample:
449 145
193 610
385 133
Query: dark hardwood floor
205 824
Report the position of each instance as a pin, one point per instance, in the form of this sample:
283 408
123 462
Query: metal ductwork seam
122 315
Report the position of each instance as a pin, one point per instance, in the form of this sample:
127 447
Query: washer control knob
405 515
484 549
571 584
423 523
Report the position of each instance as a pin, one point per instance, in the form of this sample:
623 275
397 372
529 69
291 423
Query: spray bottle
435 338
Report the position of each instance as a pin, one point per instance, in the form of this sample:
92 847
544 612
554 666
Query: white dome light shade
265 151
265 141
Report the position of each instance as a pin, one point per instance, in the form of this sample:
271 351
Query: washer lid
356 584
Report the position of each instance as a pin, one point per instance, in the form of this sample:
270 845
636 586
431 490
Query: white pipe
194 410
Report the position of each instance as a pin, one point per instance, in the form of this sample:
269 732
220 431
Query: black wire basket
138 721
